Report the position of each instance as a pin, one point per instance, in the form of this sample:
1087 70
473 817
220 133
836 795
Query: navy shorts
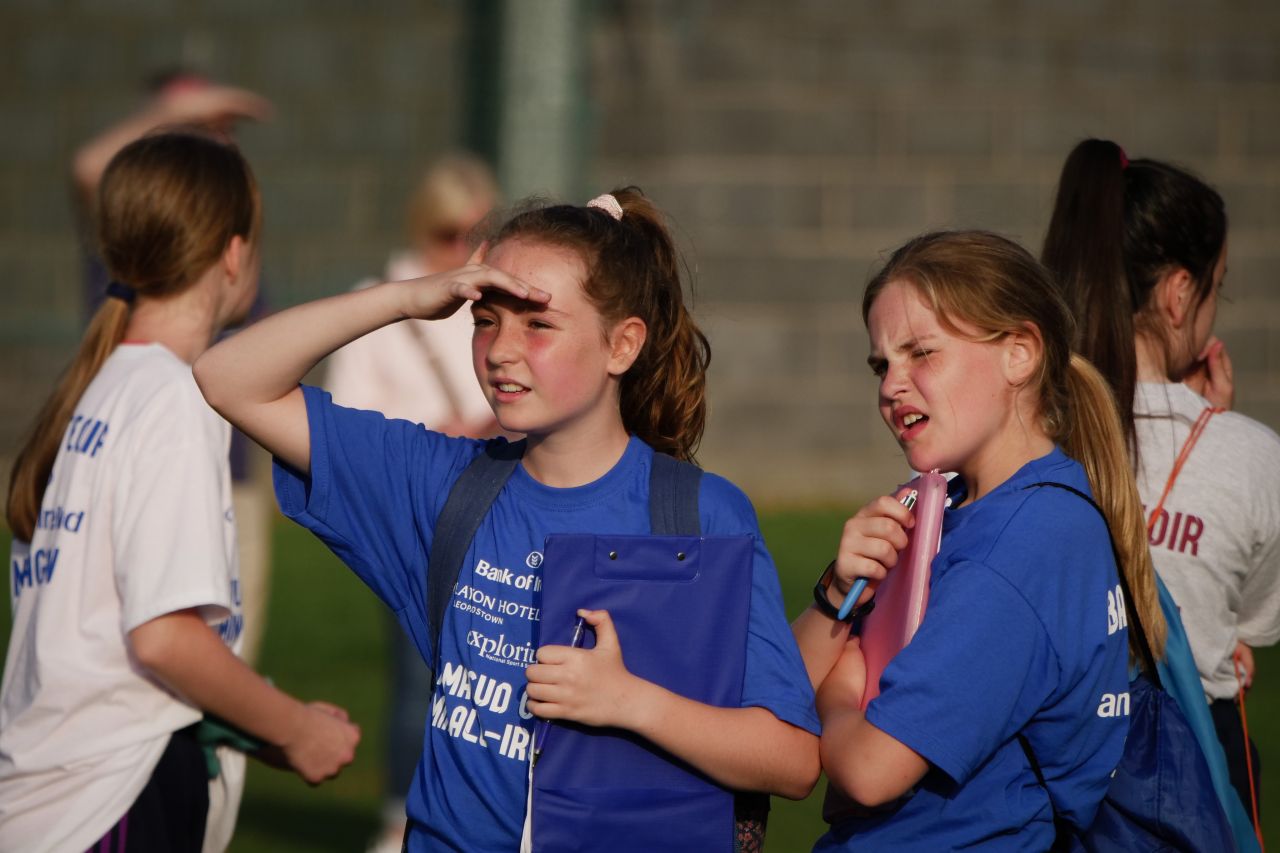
170 813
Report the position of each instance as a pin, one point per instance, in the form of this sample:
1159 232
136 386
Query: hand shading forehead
511 303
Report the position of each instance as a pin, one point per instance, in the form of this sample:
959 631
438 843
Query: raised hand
214 106
437 296
1212 376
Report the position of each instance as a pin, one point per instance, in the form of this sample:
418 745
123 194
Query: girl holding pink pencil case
1025 632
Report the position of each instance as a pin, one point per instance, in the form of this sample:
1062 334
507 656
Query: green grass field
325 640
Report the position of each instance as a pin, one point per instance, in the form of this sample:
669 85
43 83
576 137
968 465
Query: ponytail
1084 249
664 396
34 463
1118 226
168 205
1089 430
634 270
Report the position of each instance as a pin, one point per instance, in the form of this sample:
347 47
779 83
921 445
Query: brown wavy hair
633 270
994 285
166 209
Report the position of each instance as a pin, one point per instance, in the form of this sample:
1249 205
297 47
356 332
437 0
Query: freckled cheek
480 343
563 371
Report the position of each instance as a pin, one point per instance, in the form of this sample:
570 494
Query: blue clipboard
680 605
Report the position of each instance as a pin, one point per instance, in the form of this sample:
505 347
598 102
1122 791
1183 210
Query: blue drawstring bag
1162 796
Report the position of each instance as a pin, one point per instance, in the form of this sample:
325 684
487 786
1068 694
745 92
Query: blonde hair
168 205
996 286
449 192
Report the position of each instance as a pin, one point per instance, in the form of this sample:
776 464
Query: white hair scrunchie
608 204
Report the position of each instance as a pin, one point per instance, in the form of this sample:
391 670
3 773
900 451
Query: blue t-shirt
1024 633
376 489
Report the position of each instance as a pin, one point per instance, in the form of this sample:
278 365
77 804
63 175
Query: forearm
264 362
746 749
185 653
821 640
869 766
251 378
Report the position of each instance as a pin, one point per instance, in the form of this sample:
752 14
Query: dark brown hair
633 270
167 207
994 285
1118 226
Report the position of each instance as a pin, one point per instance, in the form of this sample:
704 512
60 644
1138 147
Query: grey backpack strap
673 497
468 503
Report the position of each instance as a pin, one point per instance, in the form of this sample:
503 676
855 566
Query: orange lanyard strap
1196 429
1248 755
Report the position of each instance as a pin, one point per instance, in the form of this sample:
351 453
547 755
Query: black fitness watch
826 608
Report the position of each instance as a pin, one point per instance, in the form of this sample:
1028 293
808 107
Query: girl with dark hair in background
1140 248
582 343
126 601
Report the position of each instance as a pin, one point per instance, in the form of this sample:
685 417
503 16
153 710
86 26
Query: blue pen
861 583
540 730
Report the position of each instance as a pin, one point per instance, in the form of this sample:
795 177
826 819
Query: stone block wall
796 144
793 144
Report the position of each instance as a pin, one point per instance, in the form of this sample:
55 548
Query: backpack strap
673 511
673 497
468 503
1135 621
1063 832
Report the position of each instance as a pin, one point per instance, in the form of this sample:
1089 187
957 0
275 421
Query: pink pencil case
902 597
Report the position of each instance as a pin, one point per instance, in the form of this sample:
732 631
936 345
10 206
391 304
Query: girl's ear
1023 350
625 342
234 257
1175 298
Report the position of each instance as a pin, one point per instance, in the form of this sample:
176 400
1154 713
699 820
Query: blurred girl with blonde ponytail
1025 633
125 594
584 345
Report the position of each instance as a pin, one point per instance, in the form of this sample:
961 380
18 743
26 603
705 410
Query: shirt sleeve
774 676
374 492
1258 620
973 675
168 514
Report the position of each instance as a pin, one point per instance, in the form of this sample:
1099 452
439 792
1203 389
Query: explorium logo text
502 650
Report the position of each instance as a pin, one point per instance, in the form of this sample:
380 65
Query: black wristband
826 608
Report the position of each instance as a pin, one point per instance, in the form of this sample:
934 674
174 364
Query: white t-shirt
136 523
1217 543
417 370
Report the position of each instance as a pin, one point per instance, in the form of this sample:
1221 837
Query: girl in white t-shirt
1140 247
125 595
